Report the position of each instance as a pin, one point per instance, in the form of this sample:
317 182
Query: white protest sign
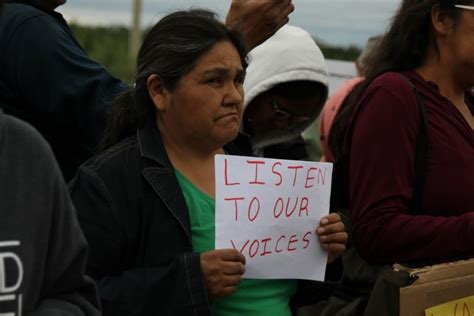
269 210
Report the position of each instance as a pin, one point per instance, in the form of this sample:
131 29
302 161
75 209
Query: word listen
311 175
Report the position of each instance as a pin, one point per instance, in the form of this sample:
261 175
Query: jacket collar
151 144
162 178
56 15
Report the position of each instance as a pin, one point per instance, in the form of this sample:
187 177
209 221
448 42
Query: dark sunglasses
280 114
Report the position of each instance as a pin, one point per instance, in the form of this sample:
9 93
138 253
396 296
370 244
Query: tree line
109 46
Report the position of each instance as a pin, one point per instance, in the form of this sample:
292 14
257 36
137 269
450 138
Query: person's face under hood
271 114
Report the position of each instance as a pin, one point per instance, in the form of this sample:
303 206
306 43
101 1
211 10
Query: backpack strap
420 152
339 190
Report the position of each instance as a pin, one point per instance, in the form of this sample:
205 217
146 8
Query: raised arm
257 20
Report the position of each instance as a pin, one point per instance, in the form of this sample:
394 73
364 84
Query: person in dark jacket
146 204
48 80
42 248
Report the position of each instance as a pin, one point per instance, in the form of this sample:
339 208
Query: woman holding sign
147 203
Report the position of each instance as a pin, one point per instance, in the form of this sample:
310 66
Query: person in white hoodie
285 88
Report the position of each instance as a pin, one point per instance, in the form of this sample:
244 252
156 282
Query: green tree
108 46
348 53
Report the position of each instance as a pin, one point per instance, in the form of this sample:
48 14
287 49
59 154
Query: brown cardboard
436 285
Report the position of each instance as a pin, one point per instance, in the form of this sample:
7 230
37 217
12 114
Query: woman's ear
158 93
442 23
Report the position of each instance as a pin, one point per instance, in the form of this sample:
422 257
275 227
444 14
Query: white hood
289 55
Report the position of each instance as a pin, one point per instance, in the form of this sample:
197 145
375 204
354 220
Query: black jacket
48 80
42 248
135 218
133 213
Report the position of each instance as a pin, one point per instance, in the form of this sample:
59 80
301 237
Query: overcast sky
341 22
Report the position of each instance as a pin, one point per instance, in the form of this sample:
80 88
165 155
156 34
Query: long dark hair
404 47
170 50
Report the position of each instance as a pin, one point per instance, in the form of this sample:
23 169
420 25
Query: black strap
420 153
339 189
420 156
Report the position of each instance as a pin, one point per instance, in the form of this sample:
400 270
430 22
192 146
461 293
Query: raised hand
257 20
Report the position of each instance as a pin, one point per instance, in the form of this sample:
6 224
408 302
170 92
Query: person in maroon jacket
428 45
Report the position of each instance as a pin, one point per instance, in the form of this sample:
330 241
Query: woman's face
461 44
206 106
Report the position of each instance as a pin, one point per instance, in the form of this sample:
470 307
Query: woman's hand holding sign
222 270
332 235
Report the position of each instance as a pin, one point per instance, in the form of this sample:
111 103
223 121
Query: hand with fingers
257 20
332 235
222 270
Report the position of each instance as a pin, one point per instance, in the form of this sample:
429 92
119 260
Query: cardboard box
436 285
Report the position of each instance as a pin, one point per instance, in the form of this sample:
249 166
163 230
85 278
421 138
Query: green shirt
311 139
253 296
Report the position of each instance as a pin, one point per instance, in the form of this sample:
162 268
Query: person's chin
229 134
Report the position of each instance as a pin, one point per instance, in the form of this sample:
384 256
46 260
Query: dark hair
363 61
403 47
298 89
170 50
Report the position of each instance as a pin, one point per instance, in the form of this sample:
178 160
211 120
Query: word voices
270 245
